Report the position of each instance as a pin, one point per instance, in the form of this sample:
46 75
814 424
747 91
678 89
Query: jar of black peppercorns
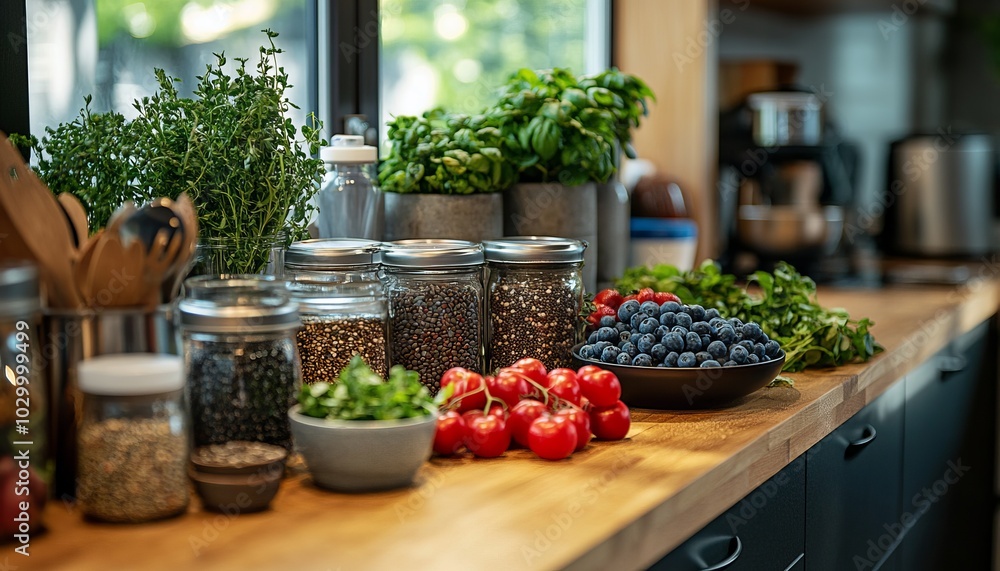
341 302
534 297
240 359
435 294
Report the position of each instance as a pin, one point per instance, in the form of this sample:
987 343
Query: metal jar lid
238 305
18 289
432 254
535 250
326 253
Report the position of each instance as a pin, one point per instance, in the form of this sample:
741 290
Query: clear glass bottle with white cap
241 361
435 294
350 204
342 305
133 438
534 298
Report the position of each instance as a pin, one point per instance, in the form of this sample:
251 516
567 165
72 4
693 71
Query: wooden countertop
615 505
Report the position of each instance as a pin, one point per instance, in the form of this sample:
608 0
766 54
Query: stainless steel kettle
939 198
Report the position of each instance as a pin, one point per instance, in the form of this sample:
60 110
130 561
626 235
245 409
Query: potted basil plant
443 176
360 433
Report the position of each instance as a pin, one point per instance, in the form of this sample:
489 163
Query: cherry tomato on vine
601 387
521 417
450 434
487 436
533 368
552 437
564 384
610 422
580 420
508 386
468 388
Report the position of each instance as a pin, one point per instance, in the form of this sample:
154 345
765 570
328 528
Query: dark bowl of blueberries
674 356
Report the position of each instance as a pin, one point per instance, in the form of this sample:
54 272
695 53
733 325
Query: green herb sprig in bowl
361 394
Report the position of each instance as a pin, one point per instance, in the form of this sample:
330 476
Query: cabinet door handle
867 436
951 363
728 560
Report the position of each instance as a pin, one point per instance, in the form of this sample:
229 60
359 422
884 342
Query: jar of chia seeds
534 298
435 294
133 438
342 305
241 360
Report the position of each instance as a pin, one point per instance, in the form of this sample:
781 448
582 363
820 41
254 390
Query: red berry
662 297
608 297
645 294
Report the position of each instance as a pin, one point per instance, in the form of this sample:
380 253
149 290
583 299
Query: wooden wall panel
671 44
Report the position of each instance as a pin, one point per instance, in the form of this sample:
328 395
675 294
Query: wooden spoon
38 220
159 260
77 215
108 281
82 265
186 255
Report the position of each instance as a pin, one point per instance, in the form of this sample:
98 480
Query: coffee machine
786 181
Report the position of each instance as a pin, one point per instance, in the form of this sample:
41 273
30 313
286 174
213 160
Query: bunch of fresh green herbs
444 153
360 394
784 305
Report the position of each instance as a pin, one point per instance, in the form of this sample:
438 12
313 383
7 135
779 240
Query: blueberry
621 326
687 359
610 354
607 334
711 313
660 331
674 342
772 348
670 306
727 334
600 347
705 340
678 329
627 310
645 343
763 338
739 354
736 323
702 328
623 359
587 352
637 319
697 313
608 321
758 349
671 359
765 359
729 364
658 352
593 338
752 359
710 363
747 344
692 342
650 307
624 335
642 360
702 356
751 331
668 318
684 320
660 365
648 325
630 349
717 349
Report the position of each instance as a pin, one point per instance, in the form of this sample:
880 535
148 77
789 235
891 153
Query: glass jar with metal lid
133 438
534 298
435 306
241 360
342 305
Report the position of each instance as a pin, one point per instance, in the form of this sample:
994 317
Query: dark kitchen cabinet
853 487
948 458
765 530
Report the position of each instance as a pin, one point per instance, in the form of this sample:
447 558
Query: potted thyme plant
443 176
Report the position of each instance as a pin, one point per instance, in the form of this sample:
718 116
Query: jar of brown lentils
342 305
534 298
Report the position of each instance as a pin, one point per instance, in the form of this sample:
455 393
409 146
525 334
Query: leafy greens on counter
785 307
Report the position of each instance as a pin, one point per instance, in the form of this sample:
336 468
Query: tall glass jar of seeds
342 305
435 306
241 360
534 297
133 438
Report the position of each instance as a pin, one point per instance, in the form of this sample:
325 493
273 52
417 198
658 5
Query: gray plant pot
472 217
362 455
613 233
553 209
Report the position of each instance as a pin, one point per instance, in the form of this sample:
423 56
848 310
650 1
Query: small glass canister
435 306
535 294
342 305
133 438
240 359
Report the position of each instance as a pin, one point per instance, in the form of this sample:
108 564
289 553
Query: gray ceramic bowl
362 455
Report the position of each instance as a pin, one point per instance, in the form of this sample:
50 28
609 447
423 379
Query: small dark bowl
687 388
242 468
236 494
